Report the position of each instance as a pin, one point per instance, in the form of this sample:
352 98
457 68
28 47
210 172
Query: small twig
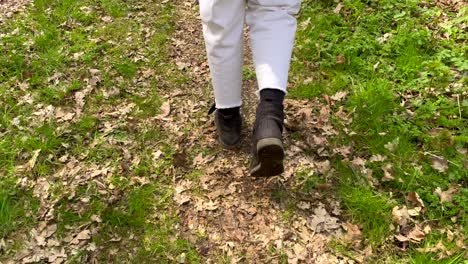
442 158
459 108
430 220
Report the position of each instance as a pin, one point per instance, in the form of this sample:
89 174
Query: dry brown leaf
57 256
415 211
340 59
402 238
323 166
387 172
32 162
303 205
83 235
391 146
427 229
210 206
96 218
61 115
94 72
344 151
2 244
183 186
181 199
94 80
339 96
450 235
156 155
358 162
50 230
338 8
416 235
415 200
401 216
353 232
300 251
322 220
440 164
165 109
377 158
446 196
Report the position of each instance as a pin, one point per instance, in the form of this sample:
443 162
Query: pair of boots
267 145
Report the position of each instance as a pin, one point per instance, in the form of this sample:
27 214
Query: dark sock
229 111
272 95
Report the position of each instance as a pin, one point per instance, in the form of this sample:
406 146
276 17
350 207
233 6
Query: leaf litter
236 213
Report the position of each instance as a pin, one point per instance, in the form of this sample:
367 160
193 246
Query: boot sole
270 154
230 146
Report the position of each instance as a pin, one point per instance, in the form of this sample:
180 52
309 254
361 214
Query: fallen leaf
415 200
339 96
156 155
300 251
402 238
94 80
427 229
94 72
401 216
387 172
165 109
377 158
450 235
96 218
344 151
181 199
182 258
33 160
303 205
211 206
391 146
358 162
438 247
416 235
340 59
338 8
446 196
62 115
183 186
415 211
440 164
353 232
322 220
83 235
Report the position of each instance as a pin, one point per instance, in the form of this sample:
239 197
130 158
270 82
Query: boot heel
270 155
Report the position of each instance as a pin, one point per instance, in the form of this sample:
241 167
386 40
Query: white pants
272 30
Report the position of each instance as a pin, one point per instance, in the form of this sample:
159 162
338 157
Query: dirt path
223 210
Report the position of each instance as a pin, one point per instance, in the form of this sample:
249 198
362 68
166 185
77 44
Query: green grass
16 208
402 79
403 70
372 210
54 46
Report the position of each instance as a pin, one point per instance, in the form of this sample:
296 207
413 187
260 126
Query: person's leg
223 23
272 28
272 31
